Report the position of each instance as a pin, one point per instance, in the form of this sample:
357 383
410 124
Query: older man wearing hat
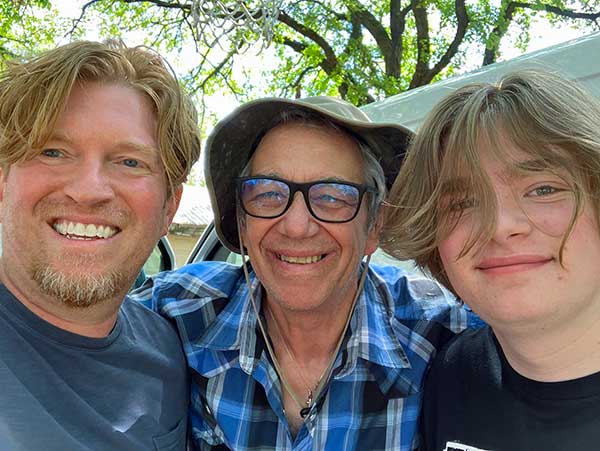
304 347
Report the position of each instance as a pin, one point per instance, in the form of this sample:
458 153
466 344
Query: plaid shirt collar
371 339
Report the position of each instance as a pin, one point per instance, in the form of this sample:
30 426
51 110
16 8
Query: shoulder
463 375
193 295
205 280
463 391
199 279
148 327
407 287
472 351
414 297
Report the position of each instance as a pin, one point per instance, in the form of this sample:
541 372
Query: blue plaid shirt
373 399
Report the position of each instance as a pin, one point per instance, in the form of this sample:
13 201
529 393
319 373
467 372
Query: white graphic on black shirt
455 446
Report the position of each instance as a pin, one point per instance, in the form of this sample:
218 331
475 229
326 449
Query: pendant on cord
309 401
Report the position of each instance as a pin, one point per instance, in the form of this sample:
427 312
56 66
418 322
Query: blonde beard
78 291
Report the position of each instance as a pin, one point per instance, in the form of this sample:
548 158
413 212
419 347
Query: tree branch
328 9
375 28
423 74
344 86
423 43
355 49
169 5
296 84
565 12
215 71
296 46
505 18
462 19
393 61
492 45
77 21
330 62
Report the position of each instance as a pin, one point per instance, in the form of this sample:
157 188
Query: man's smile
80 231
300 260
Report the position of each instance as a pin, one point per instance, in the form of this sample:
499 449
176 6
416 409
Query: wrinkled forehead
307 151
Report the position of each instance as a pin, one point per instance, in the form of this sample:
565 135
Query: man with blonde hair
96 140
499 199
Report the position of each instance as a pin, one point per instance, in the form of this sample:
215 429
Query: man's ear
171 205
374 233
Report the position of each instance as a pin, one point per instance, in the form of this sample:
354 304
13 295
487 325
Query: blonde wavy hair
548 118
33 94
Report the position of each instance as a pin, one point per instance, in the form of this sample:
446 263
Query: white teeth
300 260
77 230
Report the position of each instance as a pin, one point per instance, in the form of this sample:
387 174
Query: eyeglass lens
329 201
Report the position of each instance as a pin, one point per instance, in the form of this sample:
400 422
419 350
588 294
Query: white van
578 59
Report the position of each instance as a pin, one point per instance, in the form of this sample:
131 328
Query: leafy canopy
359 50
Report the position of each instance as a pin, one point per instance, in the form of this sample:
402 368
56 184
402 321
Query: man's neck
314 335
554 352
305 344
96 321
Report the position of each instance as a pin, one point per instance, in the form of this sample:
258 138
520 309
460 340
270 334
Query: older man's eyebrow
334 179
267 175
328 179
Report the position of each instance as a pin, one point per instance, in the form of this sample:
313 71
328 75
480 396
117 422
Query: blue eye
544 190
131 163
333 195
52 153
327 198
330 202
269 196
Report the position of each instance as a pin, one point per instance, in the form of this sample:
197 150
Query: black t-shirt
474 400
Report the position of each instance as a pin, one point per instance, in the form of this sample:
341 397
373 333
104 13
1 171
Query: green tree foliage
26 27
359 50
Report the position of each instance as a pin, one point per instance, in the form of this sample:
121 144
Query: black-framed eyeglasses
327 200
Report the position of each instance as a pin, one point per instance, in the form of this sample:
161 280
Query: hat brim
230 146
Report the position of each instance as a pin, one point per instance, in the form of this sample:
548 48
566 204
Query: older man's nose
298 222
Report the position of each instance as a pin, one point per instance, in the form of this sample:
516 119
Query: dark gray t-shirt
64 392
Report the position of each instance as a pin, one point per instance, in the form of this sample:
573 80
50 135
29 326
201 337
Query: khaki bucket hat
232 142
